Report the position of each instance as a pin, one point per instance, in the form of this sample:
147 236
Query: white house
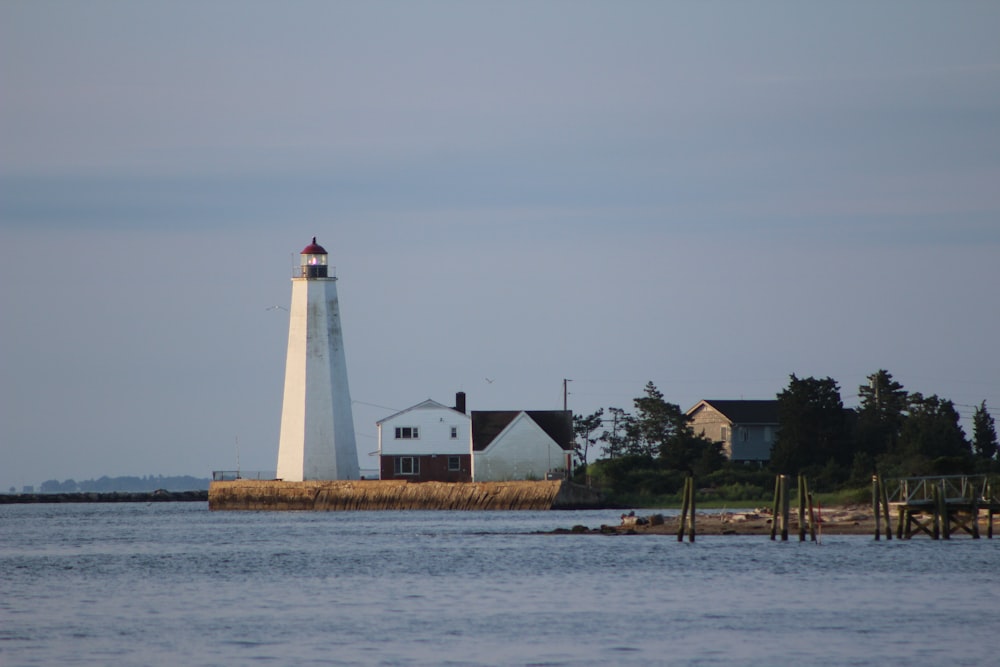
521 444
428 442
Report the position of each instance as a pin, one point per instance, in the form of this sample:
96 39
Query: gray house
746 429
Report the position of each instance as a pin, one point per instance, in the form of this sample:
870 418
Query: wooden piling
975 516
945 514
936 508
989 512
880 507
784 508
802 508
876 499
685 504
776 510
885 507
691 505
812 515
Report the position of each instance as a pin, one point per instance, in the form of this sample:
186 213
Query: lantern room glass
314 260
314 266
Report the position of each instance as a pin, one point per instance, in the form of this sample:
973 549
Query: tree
932 431
881 414
584 428
663 430
616 441
813 426
655 421
706 455
984 433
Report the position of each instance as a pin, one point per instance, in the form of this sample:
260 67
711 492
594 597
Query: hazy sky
710 196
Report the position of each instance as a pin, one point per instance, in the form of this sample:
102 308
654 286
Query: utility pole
569 457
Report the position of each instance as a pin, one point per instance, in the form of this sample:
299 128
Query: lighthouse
317 427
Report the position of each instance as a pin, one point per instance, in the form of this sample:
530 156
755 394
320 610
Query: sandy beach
850 520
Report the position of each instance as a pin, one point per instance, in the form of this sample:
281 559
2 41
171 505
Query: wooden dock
944 506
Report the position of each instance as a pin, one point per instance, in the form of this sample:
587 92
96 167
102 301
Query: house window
744 434
725 434
454 432
407 433
454 463
406 465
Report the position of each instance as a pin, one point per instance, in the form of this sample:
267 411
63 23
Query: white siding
434 422
521 451
317 426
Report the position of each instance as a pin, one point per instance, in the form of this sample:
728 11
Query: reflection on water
172 583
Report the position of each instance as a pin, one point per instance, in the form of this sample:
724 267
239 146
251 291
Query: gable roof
425 405
488 424
743 412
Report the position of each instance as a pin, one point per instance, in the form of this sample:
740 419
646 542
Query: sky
708 196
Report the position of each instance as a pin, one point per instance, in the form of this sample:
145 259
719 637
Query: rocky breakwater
159 496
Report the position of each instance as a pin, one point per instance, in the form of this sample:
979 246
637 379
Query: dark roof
313 249
487 425
747 412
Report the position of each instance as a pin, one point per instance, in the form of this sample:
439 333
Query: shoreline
845 520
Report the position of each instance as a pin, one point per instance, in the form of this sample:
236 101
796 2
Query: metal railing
303 271
231 475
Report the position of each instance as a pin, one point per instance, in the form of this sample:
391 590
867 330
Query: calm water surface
172 583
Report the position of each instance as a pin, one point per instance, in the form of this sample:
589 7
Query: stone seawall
399 495
106 497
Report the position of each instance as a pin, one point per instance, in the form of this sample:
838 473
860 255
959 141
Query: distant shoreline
159 496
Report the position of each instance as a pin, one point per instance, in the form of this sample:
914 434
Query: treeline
127 484
648 452
899 433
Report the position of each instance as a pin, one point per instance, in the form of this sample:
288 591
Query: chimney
460 401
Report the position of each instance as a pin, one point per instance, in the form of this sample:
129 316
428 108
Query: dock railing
954 488
942 505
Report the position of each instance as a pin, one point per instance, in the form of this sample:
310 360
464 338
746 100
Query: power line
375 405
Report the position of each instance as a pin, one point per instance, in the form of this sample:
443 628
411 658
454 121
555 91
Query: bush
741 491
635 477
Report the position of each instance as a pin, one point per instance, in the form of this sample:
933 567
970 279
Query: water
172 583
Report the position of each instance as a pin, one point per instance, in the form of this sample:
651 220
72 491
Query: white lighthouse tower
317 427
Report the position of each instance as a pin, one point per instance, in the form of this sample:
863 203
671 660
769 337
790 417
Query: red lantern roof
313 249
